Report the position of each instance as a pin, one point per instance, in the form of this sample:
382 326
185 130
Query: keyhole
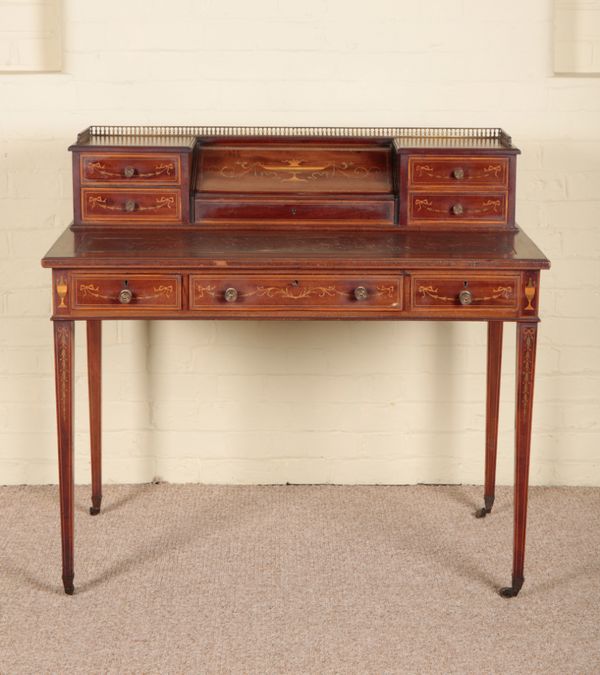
126 283
293 210
295 283
465 283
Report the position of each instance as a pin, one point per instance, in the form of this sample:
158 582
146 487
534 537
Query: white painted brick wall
30 35
304 401
577 36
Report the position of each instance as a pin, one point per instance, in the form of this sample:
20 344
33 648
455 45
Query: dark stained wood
208 222
126 205
64 333
359 294
232 170
458 173
293 211
525 373
130 169
123 291
294 250
453 209
440 292
494 368
94 357
295 168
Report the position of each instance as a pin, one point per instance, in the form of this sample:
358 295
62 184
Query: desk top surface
293 250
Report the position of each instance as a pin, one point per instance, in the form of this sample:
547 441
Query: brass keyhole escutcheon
128 172
458 173
130 206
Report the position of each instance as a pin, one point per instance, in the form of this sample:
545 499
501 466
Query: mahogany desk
377 224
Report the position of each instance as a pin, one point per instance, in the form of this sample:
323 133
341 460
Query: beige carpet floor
299 579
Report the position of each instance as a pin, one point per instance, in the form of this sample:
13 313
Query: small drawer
130 168
126 292
125 206
461 293
454 171
377 211
285 293
455 208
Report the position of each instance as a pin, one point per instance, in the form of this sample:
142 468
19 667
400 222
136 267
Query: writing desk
213 223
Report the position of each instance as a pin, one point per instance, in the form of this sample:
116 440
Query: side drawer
127 206
464 293
127 291
454 171
287 292
454 208
130 169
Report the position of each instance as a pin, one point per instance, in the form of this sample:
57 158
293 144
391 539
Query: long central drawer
288 293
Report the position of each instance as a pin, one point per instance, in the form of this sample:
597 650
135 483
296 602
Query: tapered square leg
526 348
94 356
64 333
494 368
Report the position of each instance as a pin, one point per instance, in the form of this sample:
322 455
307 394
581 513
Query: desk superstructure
295 223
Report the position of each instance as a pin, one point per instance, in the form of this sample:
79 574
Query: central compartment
285 183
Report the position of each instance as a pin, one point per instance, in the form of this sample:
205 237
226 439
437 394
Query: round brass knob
361 293
128 172
231 295
458 173
465 297
125 296
457 209
129 205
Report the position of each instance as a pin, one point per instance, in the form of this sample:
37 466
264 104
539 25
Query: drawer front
125 206
230 293
456 208
461 293
454 171
130 168
126 292
376 211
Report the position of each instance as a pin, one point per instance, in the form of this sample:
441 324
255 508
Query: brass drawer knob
231 295
361 293
128 172
457 209
125 296
458 173
130 205
465 297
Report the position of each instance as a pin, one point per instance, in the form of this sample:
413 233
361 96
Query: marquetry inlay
62 289
530 295
499 292
529 335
